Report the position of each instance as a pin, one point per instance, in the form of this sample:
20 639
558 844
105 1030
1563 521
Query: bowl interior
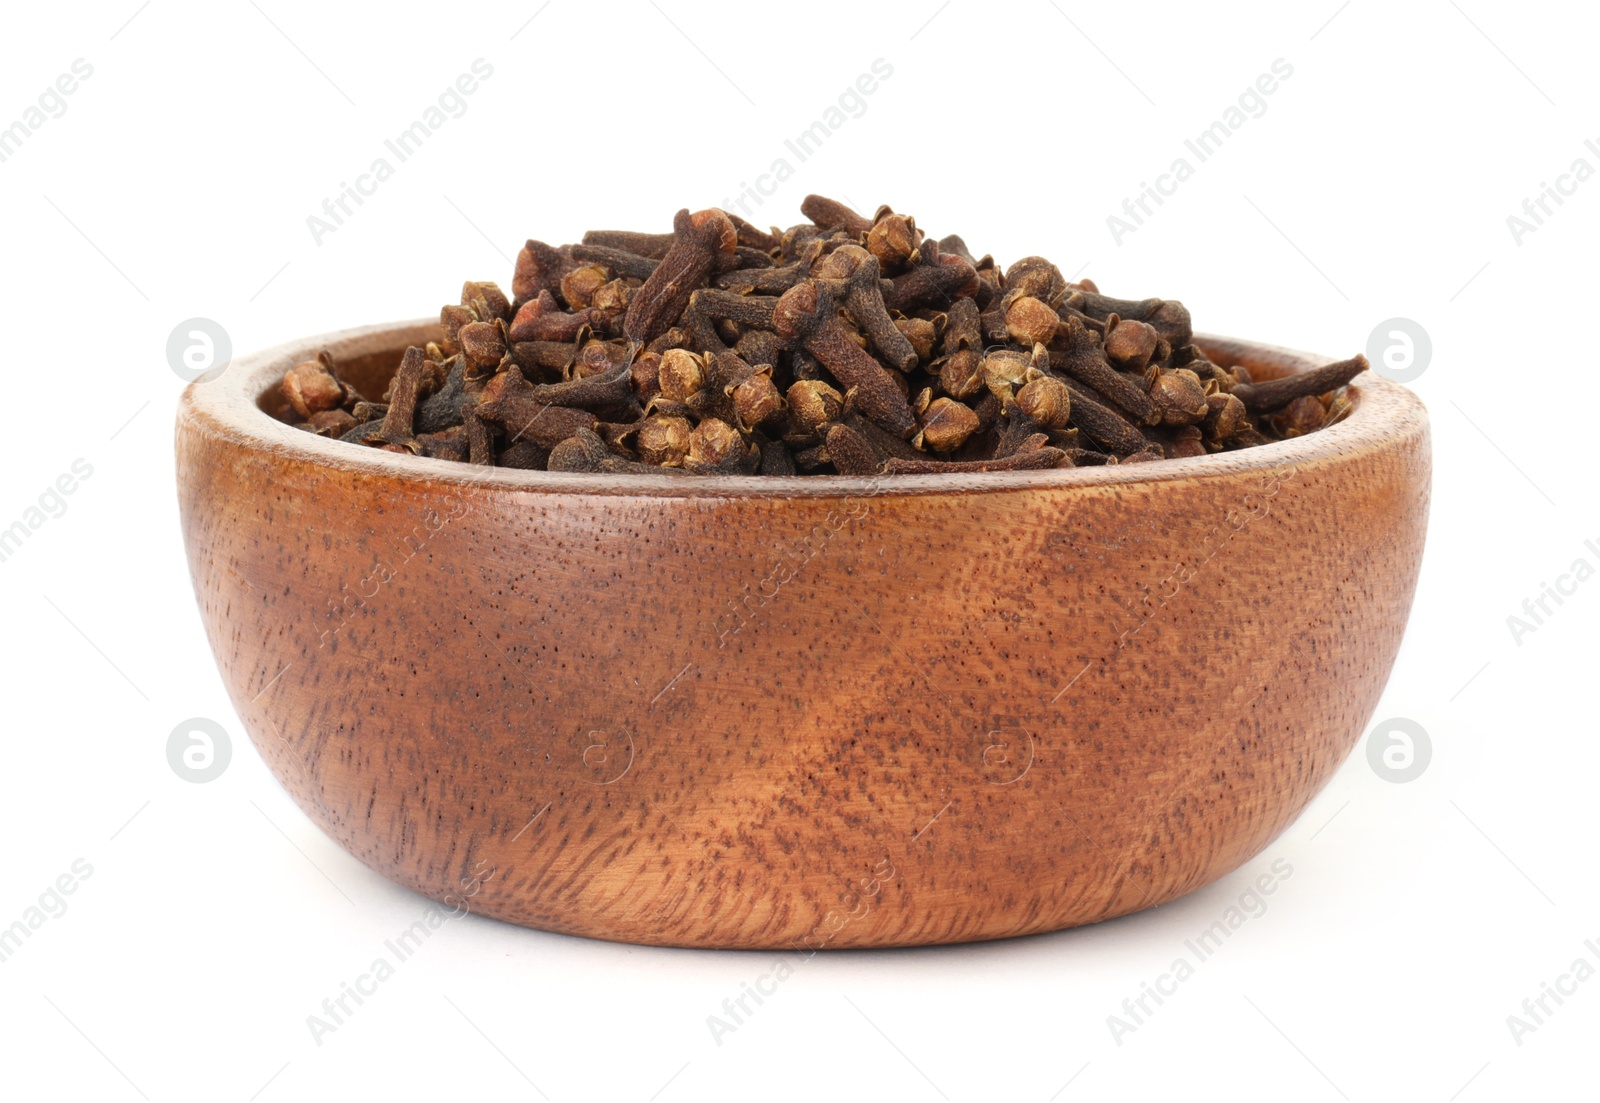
238 401
370 370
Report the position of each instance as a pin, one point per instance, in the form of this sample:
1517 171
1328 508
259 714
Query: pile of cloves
843 345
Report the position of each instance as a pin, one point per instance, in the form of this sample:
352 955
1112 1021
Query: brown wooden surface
952 715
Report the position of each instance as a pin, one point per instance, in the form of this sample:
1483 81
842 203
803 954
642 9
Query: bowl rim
223 404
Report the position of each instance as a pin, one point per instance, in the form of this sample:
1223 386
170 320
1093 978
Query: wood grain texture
806 712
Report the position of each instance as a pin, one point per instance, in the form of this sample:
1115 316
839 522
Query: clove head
756 399
946 425
1130 345
814 404
681 375
1004 369
1187 442
894 240
484 343
312 387
539 268
1225 417
1036 278
841 264
578 286
801 310
332 423
452 317
1032 321
713 225
1046 400
1179 396
609 303
486 300
663 441
1304 415
921 333
962 375
714 443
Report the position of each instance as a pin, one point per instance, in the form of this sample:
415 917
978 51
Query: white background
1377 184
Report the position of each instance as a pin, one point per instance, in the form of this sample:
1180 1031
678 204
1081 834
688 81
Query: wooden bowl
800 712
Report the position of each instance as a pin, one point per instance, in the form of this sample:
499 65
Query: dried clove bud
620 262
1131 344
746 310
312 387
1005 369
1275 394
509 401
1031 322
759 346
609 304
663 440
724 349
893 240
851 453
654 246
1186 442
1225 416
936 285
524 455
484 343
715 444
756 400
1083 358
806 313
921 333
1103 425
1037 459
446 444
486 301
395 432
946 425
1180 397
1046 400
1304 415
583 451
830 214
579 285
681 375
539 268
814 404
1036 278
332 423
850 275
698 240
542 319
